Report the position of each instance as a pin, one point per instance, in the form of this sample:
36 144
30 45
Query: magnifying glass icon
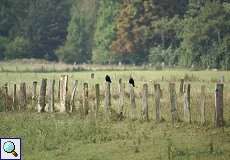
9 147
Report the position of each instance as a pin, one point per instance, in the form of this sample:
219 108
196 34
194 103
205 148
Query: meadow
68 136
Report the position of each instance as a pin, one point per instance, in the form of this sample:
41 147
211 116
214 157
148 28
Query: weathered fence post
187 112
14 97
219 104
6 88
34 94
181 91
132 102
145 115
22 96
63 93
51 96
121 97
157 101
59 89
6 97
173 102
107 99
222 79
202 105
92 75
97 90
85 99
72 98
42 96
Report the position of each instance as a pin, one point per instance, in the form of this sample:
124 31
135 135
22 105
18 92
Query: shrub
18 48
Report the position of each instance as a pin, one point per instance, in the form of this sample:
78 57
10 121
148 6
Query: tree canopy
174 32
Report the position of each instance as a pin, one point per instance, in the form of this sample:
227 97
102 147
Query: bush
3 43
18 48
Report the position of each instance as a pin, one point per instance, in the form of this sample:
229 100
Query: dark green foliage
42 23
3 43
206 37
105 31
177 32
45 26
17 48
78 45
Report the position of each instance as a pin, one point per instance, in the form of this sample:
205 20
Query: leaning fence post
145 115
72 98
85 99
34 94
42 96
202 105
51 96
14 97
187 112
22 96
107 99
219 104
121 97
173 102
63 93
157 101
132 102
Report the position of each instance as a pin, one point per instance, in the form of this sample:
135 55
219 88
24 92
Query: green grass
66 136
56 136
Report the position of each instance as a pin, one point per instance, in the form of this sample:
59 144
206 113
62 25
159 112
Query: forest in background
174 32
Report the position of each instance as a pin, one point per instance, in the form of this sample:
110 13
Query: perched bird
131 81
107 79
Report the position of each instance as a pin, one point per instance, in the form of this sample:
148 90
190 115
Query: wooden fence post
222 79
51 96
6 103
121 97
34 94
72 98
202 105
14 97
42 96
132 102
187 112
107 99
63 93
173 102
97 90
145 115
6 88
181 91
85 99
22 96
157 101
59 89
219 104
92 75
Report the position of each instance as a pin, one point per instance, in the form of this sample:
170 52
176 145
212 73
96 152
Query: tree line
174 32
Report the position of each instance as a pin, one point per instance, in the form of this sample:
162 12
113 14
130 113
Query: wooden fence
44 100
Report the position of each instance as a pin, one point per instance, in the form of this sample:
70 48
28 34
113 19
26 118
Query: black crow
107 78
131 81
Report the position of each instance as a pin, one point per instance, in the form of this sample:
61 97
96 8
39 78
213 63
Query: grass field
66 136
